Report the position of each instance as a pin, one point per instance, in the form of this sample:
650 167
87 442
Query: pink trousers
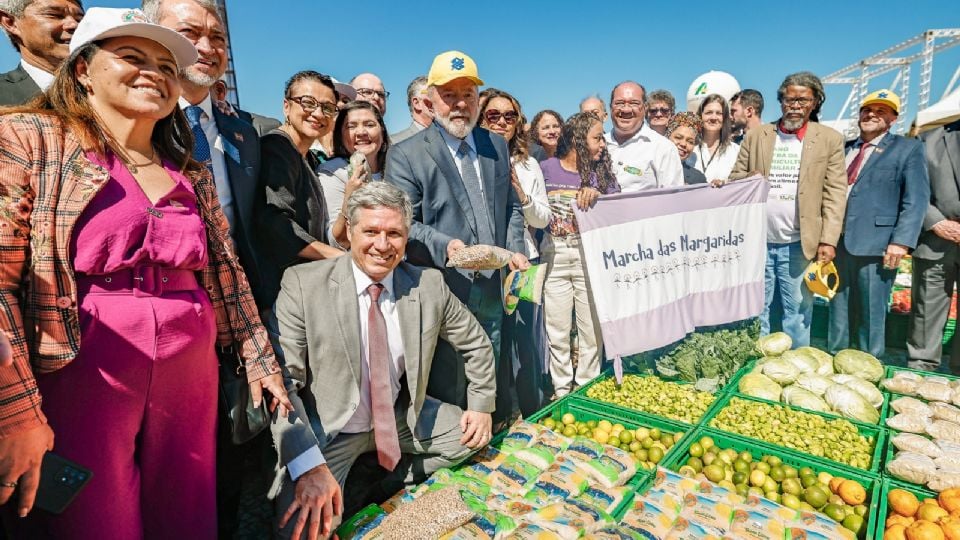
138 408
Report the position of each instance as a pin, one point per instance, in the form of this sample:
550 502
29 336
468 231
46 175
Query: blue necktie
201 148
471 181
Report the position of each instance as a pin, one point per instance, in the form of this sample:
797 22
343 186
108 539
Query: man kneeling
356 339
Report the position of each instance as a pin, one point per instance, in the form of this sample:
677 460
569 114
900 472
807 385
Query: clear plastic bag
945 411
942 429
911 467
934 390
948 463
944 480
908 422
480 257
901 385
911 405
955 396
948 447
918 444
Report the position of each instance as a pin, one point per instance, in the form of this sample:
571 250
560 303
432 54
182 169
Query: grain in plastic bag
945 411
546 446
909 422
944 480
911 405
511 477
480 257
906 385
955 396
911 467
948 463
613 468
684 529
918 444
570 519
943 429
815 522
615 532
755 504
489 457
604 498
932 390
757 525
583 450
531 531
521 435
708 510
428 517
561 481
650 517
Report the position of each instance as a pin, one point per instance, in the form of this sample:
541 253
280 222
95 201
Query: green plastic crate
887 485
871 482
581 393
878 433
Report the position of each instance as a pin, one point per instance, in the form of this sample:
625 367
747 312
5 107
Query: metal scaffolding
230 77
897 58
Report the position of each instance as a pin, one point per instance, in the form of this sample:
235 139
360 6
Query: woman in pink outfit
118 280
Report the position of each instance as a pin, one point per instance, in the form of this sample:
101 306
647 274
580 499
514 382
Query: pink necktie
854 169
381 395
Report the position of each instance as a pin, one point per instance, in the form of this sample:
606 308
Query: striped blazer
46 181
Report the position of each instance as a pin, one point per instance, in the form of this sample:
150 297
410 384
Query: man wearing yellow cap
458 177
888 193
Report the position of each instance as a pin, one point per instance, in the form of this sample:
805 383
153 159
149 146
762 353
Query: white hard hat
711 82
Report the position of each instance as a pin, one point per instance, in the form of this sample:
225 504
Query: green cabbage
804 363
800 397
850 404
774 344
859 363
823 359
759 385
862 387
812 382
781 371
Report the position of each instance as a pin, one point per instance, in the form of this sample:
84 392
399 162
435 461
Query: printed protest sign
663 262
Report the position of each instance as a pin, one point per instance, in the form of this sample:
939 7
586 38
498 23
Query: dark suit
263 124
17 87
936 261
423 167
241 155
885 206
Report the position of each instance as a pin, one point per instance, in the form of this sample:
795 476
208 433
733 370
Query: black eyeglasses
370 92
493 116
659 111
801 101
310 104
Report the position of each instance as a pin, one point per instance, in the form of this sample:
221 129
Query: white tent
943 112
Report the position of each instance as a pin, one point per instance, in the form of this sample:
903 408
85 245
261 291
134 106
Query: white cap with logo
101 23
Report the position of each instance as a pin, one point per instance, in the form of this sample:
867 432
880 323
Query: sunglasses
660 111
493 116
310 104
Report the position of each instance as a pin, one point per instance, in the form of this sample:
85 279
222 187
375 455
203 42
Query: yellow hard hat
887 97
817 277
452 65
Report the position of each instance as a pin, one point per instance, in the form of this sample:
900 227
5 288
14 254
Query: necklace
135 167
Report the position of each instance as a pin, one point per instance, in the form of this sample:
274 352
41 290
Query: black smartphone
60 481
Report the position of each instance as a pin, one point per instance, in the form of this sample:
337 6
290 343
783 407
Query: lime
746 456
605 425
809 480
568 419
706 442
646 443
807 471
626 436
696 463
773 496
642 433
655 455
634 446
601 436
792 486
642 454
770 485
860 510
776 472
592 424
834 512
708 458
714 473
655 433
789 472
765 467
582 430
774 461
854 523
742 490
790 501
741 466
549 423
757 478
687 471
696 450
570 431
618 427
815 496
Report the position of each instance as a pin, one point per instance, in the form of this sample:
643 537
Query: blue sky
550 55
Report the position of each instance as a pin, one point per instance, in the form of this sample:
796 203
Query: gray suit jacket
942 147
405 134
423 167
318 322
16 87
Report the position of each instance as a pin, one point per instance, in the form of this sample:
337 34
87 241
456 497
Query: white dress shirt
855 149
362 419
715 166
217 159
646 160
43 78
453 144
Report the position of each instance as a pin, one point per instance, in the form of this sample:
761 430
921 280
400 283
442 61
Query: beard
792 125
197 78
459 127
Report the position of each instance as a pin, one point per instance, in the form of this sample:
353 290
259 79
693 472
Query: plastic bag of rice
547 445
613 468
570 519
911 405
511 477
914 468
428 517
910 442
604 498
562 480
684 529
480 257
521 435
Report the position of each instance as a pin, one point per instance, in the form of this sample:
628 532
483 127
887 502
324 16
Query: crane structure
230 76
899 58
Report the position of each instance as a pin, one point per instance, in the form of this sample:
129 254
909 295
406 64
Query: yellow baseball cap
452 65
885 97
817 277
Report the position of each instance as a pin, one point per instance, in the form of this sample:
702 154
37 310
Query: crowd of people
150 232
